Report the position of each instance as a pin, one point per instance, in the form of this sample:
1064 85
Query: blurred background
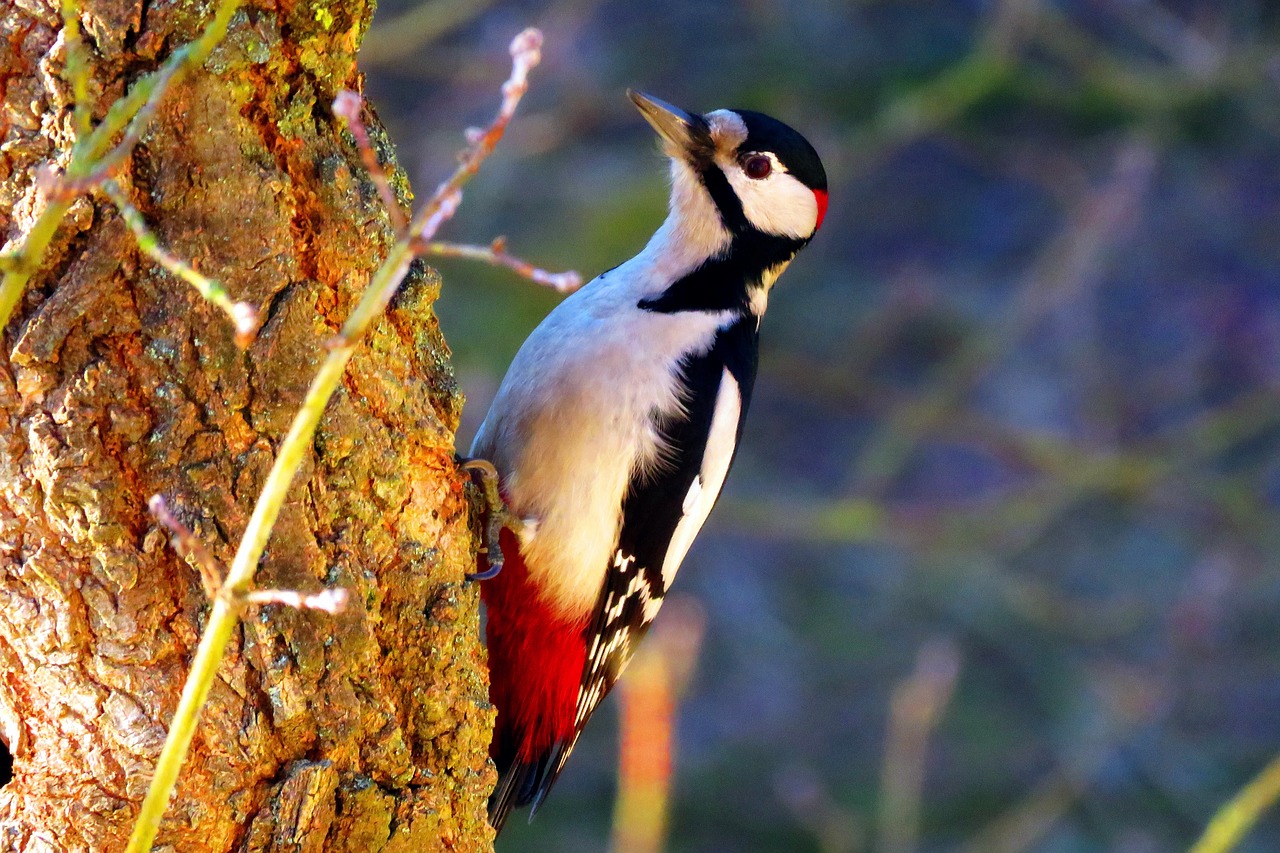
998 568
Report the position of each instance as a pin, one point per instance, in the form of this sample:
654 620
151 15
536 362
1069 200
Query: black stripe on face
724 198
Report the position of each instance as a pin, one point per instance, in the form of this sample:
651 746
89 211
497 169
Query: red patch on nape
536 656
820 196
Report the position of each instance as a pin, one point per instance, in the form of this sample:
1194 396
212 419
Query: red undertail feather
536 659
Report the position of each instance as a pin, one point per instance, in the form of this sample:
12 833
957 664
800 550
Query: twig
243 316
1234 820
331 601
296 445
347 107
187 544
526 52
496 253
83 180
1024 825
90 160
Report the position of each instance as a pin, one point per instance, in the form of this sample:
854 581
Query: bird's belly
573 477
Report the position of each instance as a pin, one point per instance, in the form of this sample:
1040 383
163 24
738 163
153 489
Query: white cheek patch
778 204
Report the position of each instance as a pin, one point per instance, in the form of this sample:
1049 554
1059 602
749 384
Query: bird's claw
500 516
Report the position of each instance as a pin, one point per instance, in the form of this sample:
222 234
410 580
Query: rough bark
367 731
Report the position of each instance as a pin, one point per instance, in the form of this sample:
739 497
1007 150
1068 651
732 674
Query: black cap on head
793 150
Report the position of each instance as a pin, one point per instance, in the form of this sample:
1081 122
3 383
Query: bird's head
759 175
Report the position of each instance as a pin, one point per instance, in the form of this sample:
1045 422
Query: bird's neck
701 266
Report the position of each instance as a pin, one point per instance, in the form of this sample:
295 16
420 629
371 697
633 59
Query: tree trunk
366 731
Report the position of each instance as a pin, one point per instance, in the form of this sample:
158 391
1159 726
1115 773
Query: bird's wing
665 508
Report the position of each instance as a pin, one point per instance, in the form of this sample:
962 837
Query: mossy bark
366 731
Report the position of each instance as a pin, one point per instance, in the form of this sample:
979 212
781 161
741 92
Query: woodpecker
616 424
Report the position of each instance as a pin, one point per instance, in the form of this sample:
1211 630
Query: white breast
573 422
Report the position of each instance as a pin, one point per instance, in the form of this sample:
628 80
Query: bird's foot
499 516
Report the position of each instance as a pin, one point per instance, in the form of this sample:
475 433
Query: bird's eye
757 167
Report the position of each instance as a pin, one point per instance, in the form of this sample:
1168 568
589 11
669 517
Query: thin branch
496 253
188 545
347 107
243 316
526 52
90 160
297 444
84 179
77 67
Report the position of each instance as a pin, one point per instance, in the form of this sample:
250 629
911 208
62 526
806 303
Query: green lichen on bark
365 731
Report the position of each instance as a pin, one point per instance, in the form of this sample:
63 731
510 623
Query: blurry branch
1127 706
92 156
843 521
243 316
1161 29
915 707
1234 820
980 539
1070 264
1197 64
950 93
1069 473
654 680
525 54
834 826
1027 822
402 36
1198 69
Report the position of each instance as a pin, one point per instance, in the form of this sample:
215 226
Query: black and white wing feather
664 510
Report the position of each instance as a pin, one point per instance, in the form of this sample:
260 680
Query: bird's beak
685 134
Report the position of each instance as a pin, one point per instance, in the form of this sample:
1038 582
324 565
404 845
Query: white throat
692 232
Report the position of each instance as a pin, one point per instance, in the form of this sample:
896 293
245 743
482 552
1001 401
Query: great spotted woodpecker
616 424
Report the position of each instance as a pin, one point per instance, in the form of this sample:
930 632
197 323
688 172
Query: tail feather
525 783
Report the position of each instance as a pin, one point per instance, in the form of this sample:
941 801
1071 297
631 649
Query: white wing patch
691 499
702 495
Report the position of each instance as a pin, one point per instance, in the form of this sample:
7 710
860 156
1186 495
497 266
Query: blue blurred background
997 567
